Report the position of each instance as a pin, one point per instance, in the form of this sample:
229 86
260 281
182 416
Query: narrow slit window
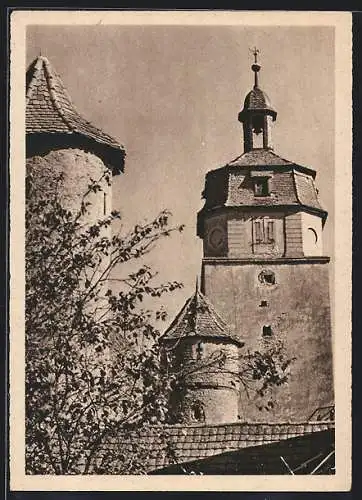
199 351
267 331
104 203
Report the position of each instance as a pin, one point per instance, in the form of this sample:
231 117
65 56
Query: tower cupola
257 114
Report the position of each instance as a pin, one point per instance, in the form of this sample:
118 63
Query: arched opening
199 351
197 412
267 331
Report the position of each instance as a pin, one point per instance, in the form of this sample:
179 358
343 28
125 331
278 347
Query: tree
94 370
80 391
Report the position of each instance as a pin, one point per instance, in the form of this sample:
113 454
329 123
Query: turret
60 141
199 345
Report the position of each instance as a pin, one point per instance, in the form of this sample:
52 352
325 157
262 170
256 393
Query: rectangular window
263 231
261 187
267 331
270 232
258 232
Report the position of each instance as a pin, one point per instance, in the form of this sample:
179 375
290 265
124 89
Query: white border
342 21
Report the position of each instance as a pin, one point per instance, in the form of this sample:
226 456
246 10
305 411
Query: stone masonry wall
77 167
296 308
211 385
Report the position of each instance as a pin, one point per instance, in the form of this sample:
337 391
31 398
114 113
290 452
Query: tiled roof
188 443
49 110
306 191
259 157
198 318
306 454
233 186
257 99
241 191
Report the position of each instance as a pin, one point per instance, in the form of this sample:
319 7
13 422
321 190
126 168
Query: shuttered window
270 232
258 232
263 231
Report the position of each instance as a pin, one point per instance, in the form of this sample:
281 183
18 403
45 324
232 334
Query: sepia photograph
180 301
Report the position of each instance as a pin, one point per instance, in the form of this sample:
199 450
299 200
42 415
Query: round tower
60 142
201 350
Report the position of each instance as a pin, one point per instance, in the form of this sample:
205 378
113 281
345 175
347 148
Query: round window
267 277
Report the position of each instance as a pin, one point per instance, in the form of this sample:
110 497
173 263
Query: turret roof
50 110
198 318
257 100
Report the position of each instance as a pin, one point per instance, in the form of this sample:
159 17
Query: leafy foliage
94 370
80 390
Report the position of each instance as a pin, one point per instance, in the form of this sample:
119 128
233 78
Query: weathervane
256 66
255 53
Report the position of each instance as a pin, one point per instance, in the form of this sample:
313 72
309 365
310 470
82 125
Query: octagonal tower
263 267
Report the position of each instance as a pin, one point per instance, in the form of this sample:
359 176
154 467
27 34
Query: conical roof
50 110
198 318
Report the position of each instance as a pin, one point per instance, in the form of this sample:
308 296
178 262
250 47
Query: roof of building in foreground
198 318
50 111
170 446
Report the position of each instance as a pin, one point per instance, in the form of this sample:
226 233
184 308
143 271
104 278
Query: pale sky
171 95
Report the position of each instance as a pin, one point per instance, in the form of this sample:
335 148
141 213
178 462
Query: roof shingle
198 318
194 442
259 157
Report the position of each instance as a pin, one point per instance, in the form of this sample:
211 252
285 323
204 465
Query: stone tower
60 141
201 346
263 267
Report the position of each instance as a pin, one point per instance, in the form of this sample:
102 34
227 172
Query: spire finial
255 52
256 66
197 283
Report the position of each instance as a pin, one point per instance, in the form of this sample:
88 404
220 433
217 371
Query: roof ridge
217 317
177 317
281 157
295 187
30 84
51 74
235 424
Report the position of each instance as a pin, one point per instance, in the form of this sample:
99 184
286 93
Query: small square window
261 187
264 303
